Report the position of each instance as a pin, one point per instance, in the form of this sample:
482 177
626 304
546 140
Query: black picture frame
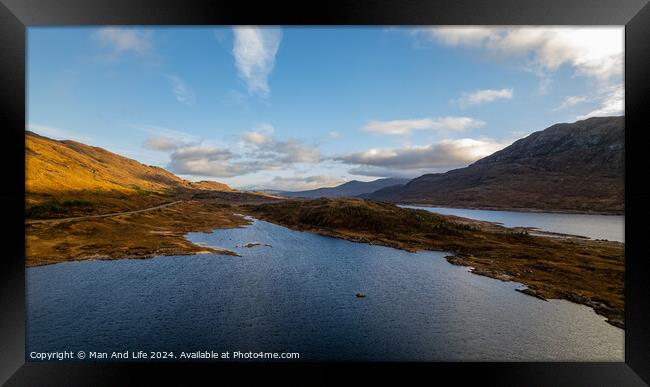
17 15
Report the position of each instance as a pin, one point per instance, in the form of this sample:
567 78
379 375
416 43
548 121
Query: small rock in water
360 295
251 244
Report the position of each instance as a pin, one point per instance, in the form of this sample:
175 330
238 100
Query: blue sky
298 108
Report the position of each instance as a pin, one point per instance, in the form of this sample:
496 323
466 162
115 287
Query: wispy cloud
124 40
181 90
611 102
254 50
221 34
300 183
178 136
592 51
483 96
572 101
413 160
403 127
373 171
57 133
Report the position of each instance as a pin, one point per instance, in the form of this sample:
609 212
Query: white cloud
160 143
572 101
403 127
333 134
181 91
482 96
455 36
293 151
611 103
372 171
209 153
211 168
592 51
257 151
263 133
206 161
265 146
441 156
254 50
256 138
544 85
298 183
122 40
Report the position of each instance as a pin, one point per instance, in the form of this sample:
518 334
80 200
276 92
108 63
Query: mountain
209 185
71 174
349 189
566 167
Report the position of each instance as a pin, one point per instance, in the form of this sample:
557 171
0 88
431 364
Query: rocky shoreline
513 209
134 236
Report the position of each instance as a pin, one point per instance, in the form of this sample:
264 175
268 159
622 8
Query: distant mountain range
566 167
350 189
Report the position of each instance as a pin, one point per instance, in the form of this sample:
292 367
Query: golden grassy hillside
68 178
210 186
59 166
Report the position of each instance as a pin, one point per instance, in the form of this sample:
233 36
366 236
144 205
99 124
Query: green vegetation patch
356 214
54 207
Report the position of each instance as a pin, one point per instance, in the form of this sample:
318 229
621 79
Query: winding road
61 220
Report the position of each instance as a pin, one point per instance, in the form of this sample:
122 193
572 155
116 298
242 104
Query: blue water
609 227
298 295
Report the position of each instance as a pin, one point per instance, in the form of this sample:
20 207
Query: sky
293 108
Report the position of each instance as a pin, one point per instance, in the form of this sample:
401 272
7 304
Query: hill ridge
351 188
575 167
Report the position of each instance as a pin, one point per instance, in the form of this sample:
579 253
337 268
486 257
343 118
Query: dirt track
101 216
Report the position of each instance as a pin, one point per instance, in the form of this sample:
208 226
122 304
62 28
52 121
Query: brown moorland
141 235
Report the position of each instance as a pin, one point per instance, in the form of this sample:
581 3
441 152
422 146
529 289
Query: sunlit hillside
67 177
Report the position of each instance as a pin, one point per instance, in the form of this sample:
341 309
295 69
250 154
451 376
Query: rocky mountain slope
567 167
349 189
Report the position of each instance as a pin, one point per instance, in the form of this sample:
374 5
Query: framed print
415 188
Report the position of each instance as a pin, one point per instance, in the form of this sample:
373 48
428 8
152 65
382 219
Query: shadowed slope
567 167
